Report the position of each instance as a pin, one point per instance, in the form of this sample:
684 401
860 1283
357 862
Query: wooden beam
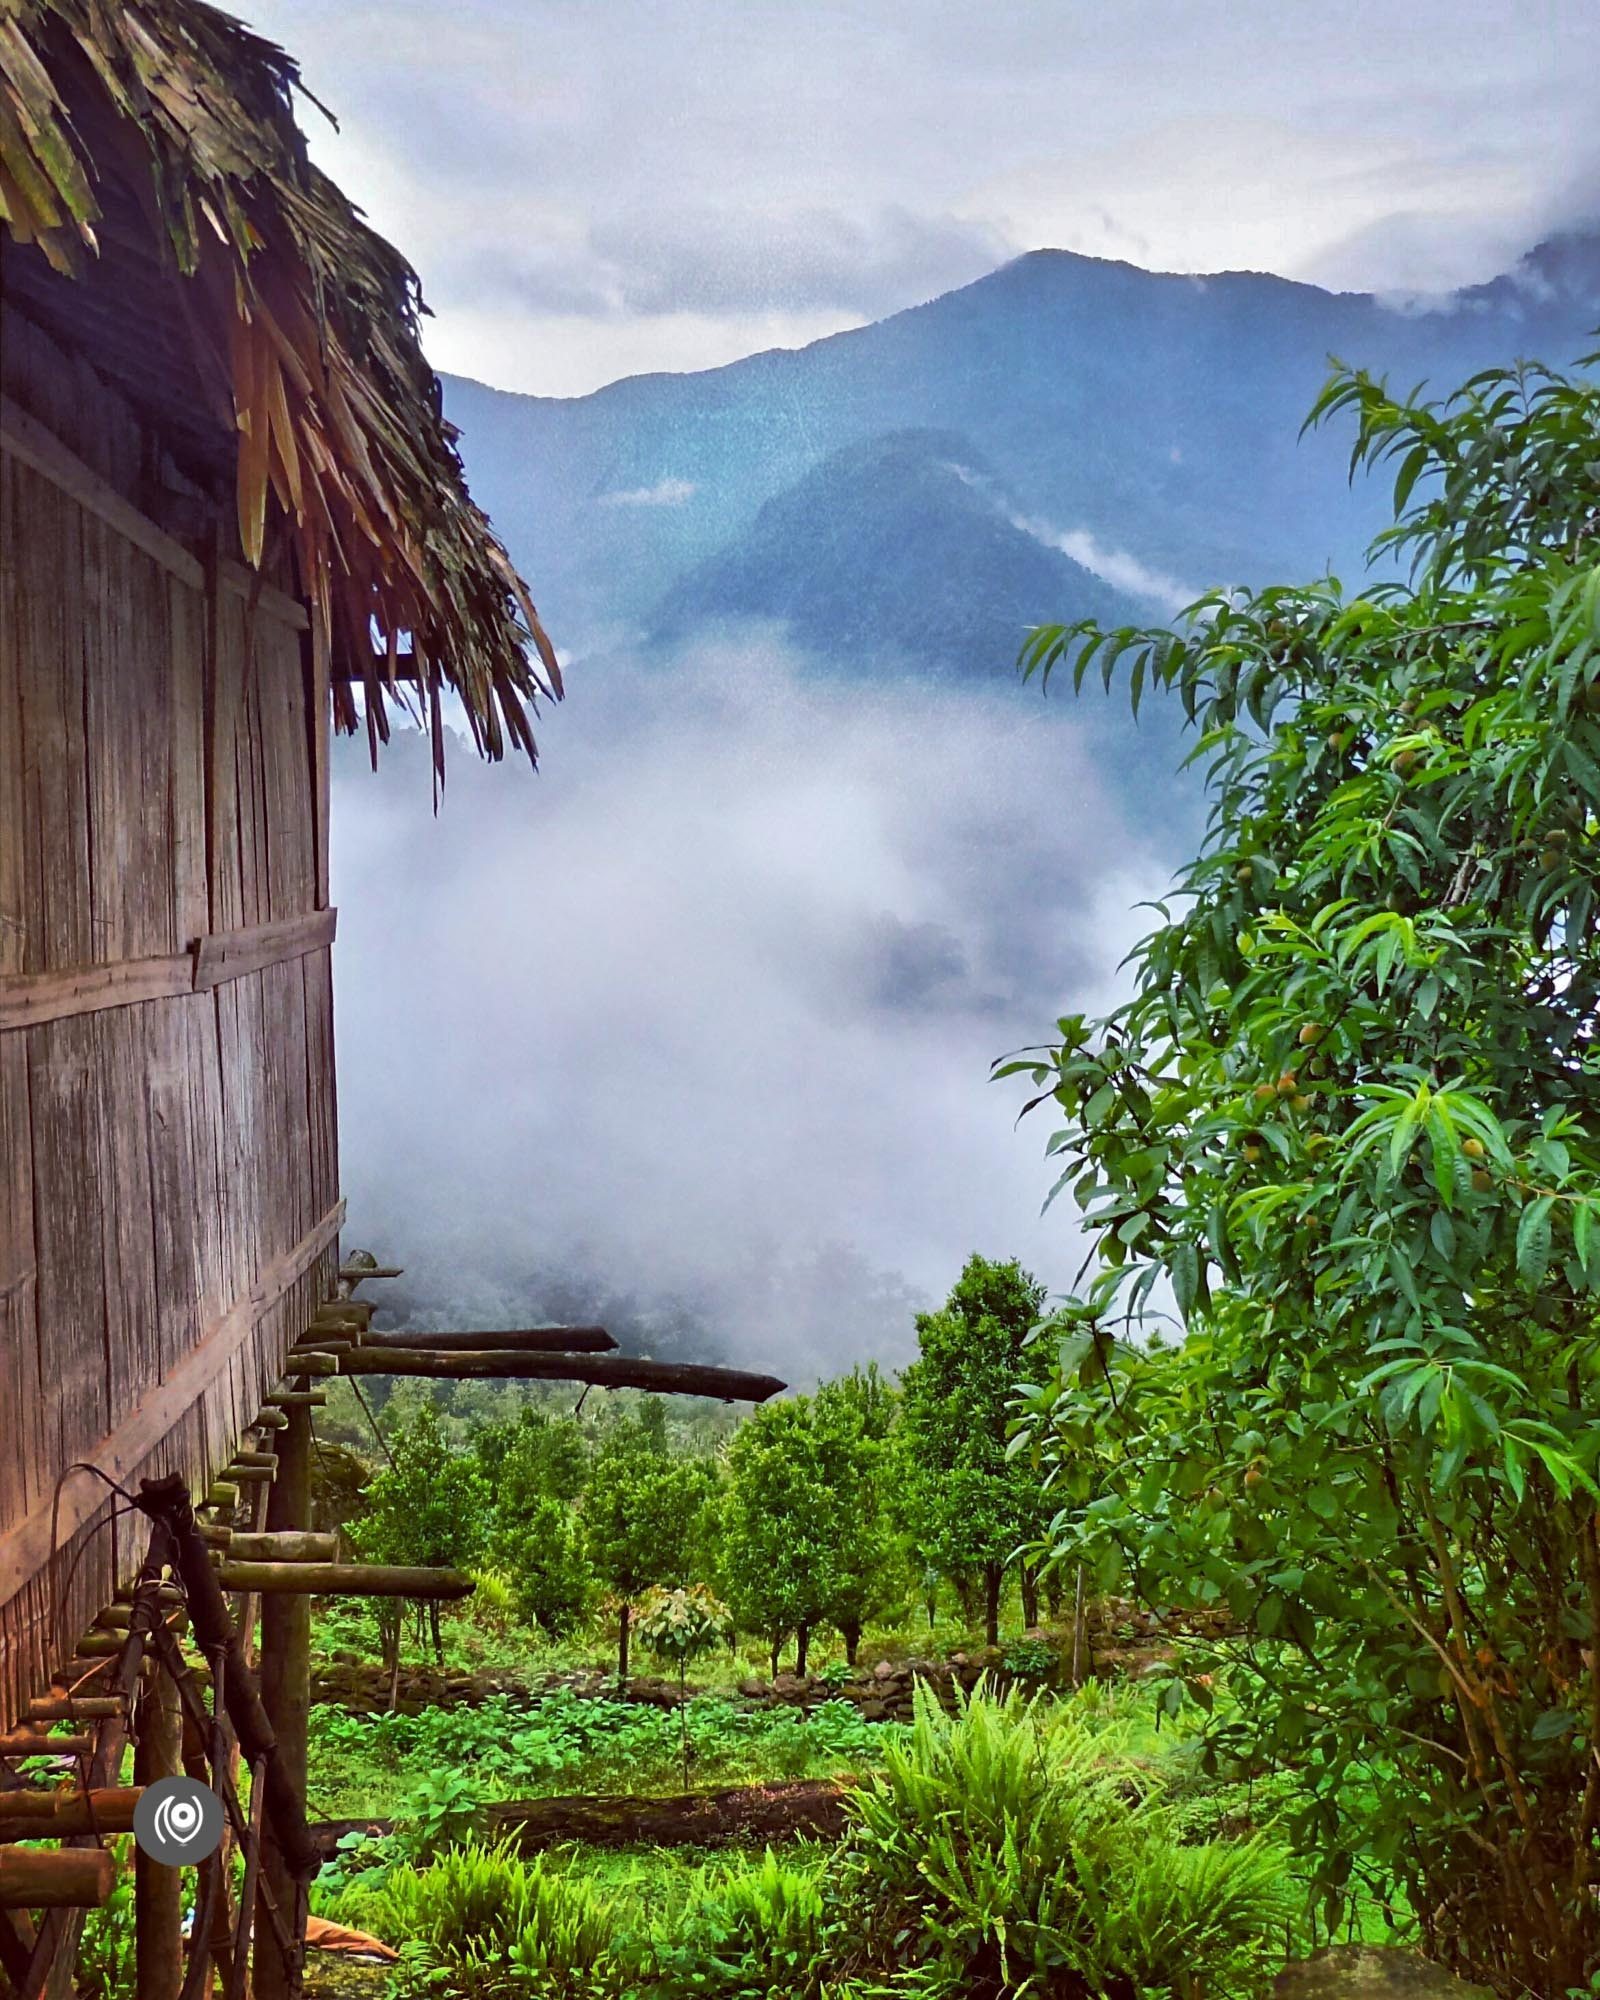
27 1548
269 1419
62 1878
353 1273
40 1815
284 1545
605 1371
43 452
308 1364
74 1708
292 1399
511 1340
230 954
36 1743
334 1579
29 998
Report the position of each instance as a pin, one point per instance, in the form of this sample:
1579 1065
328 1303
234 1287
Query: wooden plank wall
157 782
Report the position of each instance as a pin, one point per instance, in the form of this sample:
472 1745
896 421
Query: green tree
683 1626
644 1515
972 1505
428 1507
852 1418
782 1527
539 1465
1351 1116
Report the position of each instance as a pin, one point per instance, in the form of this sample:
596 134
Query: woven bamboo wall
168 1164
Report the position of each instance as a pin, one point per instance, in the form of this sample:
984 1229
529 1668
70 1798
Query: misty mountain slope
1157 413
892 548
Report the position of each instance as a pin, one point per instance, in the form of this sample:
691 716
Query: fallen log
59 1878
808 1808
512 1340
602 1371
38 1815
333 1579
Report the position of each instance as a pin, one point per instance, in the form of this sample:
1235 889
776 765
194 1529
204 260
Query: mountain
1155 415
899 546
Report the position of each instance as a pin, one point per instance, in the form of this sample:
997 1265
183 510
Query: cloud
713 259
700 1019
665 493
1112 565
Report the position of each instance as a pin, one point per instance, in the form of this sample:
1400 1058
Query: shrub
1008 1850
482 1924
757 1931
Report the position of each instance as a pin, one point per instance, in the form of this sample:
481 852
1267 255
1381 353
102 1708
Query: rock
753 1687
875 1711
884 1671
958 1659
1371 1972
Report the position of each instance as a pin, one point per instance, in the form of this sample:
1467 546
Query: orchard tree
1351 1117
781 1527
539 1465
972 1504
427 1508
852 1418
644 1515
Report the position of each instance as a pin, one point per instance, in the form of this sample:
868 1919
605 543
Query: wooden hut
232 515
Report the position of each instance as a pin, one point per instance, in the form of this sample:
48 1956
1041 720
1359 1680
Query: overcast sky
598 188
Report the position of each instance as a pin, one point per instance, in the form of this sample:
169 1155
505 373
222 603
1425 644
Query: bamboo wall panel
161 1159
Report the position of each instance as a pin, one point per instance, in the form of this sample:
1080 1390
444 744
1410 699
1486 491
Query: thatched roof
163 132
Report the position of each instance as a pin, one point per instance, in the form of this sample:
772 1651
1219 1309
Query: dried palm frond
310 317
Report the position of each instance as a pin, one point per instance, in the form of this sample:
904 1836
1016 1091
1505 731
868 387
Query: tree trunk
992 1574
1030 1596
802 1642
438 1636
623 1623
1080 1630
1054 1596
851 1635
931 1600
777 1648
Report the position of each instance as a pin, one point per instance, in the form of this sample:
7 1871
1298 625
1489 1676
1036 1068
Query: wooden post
158 1891
286 1696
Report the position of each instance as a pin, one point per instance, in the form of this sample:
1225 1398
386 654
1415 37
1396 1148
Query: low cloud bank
694 1027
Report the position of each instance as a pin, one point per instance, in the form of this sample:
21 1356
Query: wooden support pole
510 1340
267 1459
335 1579
158 1891
300 1399
270 1419
352 1274
287 1545
63 1878
286 1696
602 1371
